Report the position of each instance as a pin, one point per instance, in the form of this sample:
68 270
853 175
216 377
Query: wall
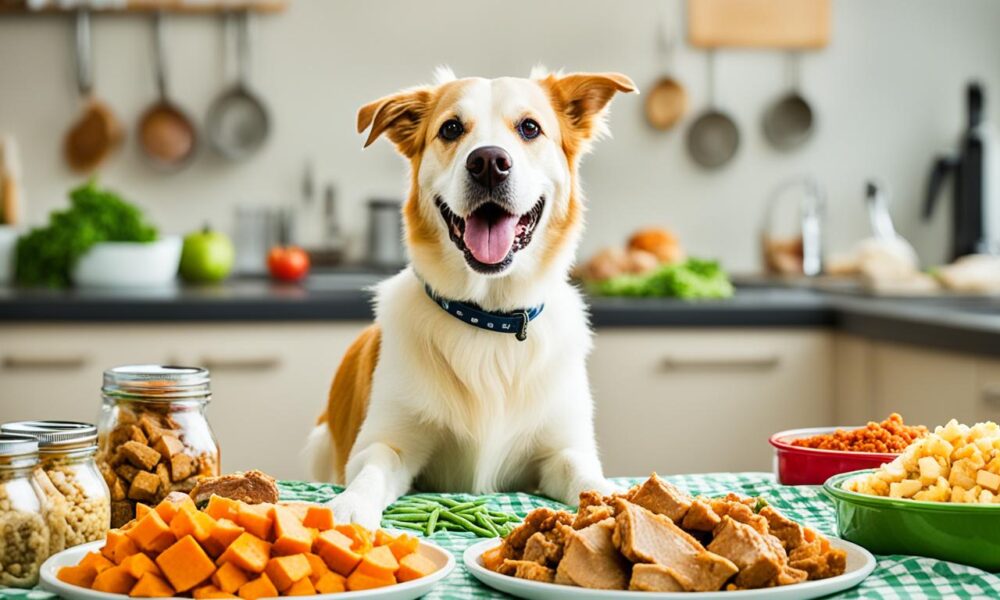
888 92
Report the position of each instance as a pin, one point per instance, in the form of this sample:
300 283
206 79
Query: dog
473 377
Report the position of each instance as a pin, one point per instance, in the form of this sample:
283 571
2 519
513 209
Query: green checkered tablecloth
894 577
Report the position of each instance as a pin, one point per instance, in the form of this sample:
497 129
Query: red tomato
289 263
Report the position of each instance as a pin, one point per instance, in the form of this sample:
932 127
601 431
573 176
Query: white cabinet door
987 401
687 401
854 403
926 387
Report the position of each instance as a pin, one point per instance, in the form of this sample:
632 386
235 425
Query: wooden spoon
97 132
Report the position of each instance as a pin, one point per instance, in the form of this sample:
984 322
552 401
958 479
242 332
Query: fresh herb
46 255
689 280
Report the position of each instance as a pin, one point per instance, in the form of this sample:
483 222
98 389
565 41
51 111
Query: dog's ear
399 116
582 99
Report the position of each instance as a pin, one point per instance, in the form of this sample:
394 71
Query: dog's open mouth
490 236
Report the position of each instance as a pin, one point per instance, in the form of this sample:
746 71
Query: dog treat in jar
154 435
24 535
79 499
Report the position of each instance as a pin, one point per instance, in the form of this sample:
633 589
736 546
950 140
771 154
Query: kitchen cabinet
269 381
703 400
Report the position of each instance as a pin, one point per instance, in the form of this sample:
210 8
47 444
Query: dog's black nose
488 166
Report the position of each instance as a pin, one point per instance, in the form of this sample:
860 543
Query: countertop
964 324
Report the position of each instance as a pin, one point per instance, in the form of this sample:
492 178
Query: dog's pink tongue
489 241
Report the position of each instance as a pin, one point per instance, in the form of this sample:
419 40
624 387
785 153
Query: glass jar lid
157 382
54 435
12 444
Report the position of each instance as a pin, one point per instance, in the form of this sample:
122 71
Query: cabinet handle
733 363
253 363
991 394
43 362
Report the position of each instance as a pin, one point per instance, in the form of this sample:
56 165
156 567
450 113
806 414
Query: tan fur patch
349 394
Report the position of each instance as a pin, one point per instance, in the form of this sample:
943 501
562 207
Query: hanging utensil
166 134
238 120
666 102
713 138
789 122
97 132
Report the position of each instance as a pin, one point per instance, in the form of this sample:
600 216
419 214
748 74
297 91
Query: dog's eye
529 129
451 130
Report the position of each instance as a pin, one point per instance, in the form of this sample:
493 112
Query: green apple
207 256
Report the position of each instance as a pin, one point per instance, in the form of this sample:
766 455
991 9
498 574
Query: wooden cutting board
791 24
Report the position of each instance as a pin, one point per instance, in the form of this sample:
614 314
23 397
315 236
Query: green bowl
961 533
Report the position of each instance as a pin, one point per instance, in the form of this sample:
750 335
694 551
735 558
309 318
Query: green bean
432 522
468 505
410 518
467 524
486 523
401 525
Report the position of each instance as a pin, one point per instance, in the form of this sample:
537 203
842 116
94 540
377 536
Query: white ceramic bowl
129 264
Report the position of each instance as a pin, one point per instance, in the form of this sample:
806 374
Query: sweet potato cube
414 566
256 519
362 581
382 538
96 560
331 583
378 562
361 538
335 550
258 588
185 564
81 575
148 530
210 591
189 521
171 504
247 552
318 517
290 537
151 586
118 546
404 545
116 580
283 571
302 587
223 508
141 510
139 564
223 534
229 578
318 566
162 543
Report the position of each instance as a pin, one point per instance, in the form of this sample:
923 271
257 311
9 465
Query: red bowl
797 465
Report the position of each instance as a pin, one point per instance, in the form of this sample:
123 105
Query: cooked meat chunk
789 532
540 519
141 456
644 537
540 549
662 498
591 560
700 516
526 569
144 487
818 559
740 511
585 517
757 560
791 575
654 578
252 487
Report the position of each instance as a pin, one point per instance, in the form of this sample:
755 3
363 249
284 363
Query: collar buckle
522 334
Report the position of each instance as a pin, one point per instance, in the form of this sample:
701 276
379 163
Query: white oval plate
860 564
402 591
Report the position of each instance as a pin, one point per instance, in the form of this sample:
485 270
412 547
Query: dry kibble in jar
79 498
24 535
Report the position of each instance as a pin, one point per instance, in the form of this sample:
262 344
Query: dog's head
494 204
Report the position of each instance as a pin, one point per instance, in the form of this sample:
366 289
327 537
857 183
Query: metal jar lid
157 382
17 445
54 435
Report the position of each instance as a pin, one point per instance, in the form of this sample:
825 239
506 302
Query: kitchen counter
968 325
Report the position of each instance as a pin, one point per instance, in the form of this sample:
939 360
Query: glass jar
79 499
154 436
24 535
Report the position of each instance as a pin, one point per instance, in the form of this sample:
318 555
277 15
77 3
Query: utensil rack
145 6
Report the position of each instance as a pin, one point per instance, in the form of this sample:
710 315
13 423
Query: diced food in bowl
956 463
891 435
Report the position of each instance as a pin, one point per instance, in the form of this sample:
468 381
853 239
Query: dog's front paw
350 507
